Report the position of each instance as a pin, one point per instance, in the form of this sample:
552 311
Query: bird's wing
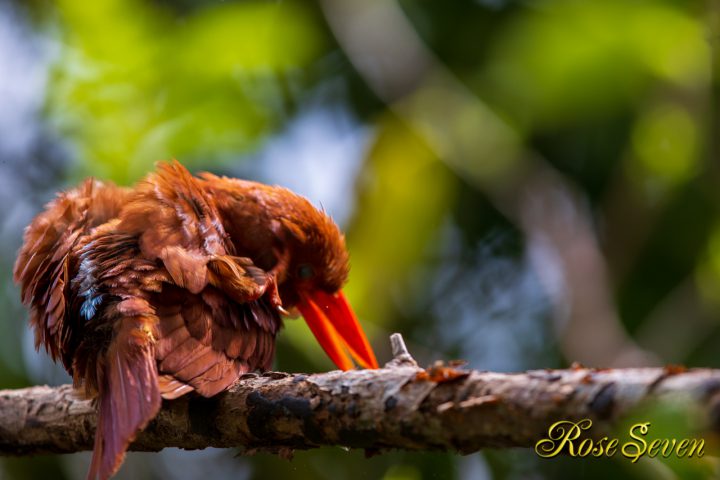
47 258
216 321
207 341
169 309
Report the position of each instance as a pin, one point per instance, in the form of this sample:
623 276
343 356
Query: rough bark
399 406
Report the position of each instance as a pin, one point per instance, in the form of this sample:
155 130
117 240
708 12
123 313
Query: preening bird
176 285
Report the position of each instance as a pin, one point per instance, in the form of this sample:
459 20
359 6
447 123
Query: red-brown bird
178 285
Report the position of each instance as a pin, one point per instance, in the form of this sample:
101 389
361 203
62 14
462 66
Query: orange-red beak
335 326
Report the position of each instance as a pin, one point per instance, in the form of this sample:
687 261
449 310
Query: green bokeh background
523 184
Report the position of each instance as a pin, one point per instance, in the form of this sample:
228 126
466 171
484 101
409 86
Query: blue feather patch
90 306
93 299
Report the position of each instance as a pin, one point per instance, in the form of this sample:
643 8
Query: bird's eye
305 271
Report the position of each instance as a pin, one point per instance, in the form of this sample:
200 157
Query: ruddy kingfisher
175 285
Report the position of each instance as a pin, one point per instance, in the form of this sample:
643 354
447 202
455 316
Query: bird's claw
275 300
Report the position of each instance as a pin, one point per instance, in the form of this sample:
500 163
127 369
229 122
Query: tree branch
399 406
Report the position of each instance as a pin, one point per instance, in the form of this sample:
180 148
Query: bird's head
309 260
317 268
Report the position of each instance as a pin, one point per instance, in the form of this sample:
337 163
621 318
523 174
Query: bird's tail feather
129 396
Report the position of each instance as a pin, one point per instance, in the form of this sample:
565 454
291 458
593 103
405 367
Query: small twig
401 355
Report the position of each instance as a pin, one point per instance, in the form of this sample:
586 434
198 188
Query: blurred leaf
572 59
134 84
672 419
666 145
707 273
402 472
